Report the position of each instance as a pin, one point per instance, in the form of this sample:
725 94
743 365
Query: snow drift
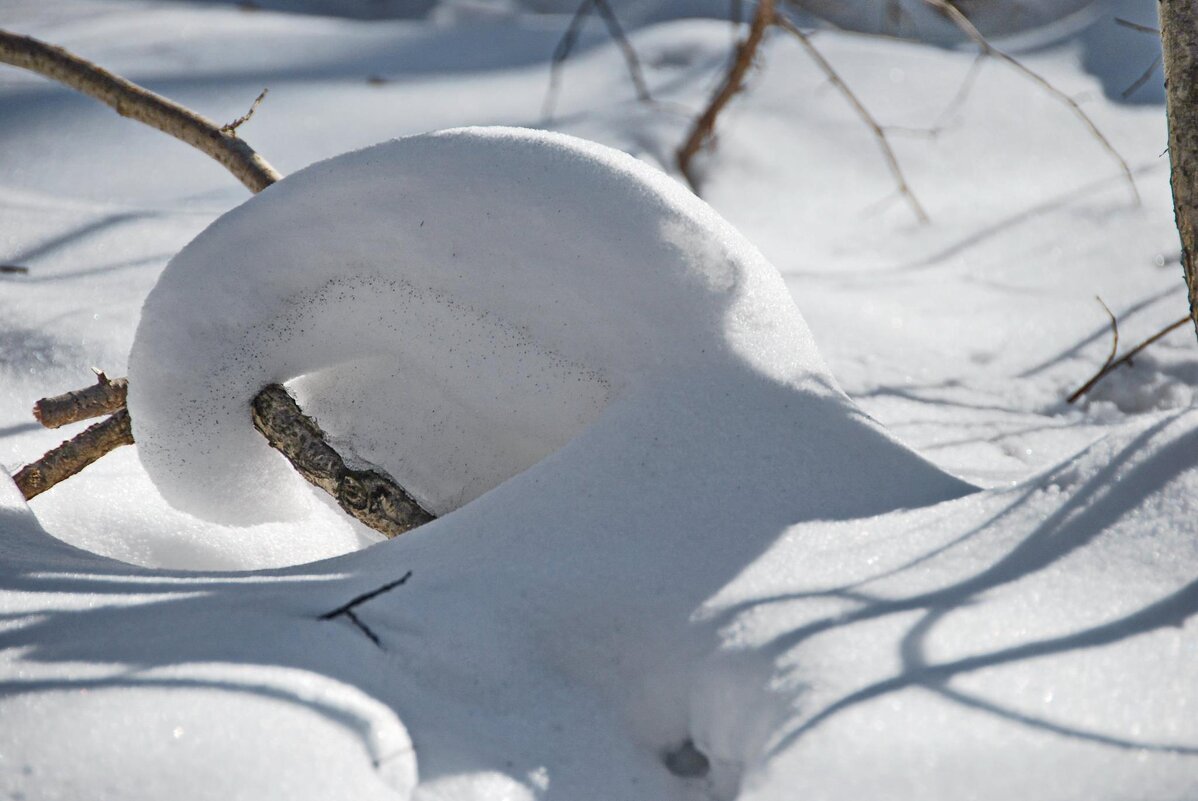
462 304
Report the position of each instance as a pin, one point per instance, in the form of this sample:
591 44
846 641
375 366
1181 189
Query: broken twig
231 128
75 454
106 396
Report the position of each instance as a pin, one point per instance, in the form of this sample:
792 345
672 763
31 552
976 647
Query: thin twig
370 496
963 91
565 46
1111 366
106 396
73 455
1135 26
631 59
347 609
136 102
862 112
231 128
14 269
1143 79
958 18
703 129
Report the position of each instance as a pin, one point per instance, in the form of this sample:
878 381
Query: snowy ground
725 552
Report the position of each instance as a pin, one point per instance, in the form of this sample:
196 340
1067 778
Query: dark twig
14 269
347 609
1143 79
1135 26
370 496
1112 365
231 128
862 112
566 44
703 129
958 18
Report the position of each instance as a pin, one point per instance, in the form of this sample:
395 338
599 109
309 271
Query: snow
677 560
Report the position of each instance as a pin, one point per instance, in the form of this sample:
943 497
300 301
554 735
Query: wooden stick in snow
106 396
75 454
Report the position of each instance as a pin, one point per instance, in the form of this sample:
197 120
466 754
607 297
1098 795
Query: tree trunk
1179 44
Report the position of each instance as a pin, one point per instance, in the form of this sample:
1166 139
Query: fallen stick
1112 364
75 454
106 396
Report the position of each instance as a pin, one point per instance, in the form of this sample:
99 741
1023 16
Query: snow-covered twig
958 18
75 454
139 103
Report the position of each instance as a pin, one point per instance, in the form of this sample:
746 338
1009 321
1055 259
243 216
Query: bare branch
566 44
231 128
371 496
1113 364
138 103
1143 79
14 269
75 454
958 18
703 128
1135 26
862 112
106 396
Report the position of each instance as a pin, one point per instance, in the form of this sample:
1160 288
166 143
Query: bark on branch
1179 46
106 396
138 103
368 495
75 454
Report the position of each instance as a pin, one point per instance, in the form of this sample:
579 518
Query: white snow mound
455 306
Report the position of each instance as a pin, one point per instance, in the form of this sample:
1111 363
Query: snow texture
678 562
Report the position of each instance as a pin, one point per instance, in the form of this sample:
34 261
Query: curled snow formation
453 307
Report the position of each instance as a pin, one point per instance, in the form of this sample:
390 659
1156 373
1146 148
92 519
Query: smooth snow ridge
455 306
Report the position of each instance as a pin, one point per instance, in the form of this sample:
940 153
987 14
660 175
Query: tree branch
862 112
371 496
106 396
958 18
75 454
138 103
1113 364
703 128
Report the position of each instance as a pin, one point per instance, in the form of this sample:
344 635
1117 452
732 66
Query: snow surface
719 553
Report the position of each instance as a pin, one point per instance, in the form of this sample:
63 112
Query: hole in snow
687 762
